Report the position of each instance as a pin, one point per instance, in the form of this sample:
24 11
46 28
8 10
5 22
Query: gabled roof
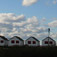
49 38
18 38
3 37
33 38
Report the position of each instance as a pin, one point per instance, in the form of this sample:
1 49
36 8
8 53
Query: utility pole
48 35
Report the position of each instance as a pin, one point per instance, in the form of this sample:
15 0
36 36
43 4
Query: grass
25 51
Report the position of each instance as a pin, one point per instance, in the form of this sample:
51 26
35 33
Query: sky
25 18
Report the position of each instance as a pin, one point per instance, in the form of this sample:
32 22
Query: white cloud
51 2
28 2
7 20
30 21
10 17
54 18
33 19
53 24
54 1
12 24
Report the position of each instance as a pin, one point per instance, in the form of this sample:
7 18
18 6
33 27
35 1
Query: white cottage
48 41
3 41
32 41
16 41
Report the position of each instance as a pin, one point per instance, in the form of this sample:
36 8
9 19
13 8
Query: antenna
48 35
48 32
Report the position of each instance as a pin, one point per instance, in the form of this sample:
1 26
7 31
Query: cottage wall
21 43
31 39
43 42
5 42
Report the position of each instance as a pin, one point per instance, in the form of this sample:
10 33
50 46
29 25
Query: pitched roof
33 38
18 38
49 38
3 37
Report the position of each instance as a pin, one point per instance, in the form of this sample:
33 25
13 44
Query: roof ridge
18 37
3 37
48 37
33 37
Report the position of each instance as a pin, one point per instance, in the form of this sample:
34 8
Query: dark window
46 42
2 41
12 41
29 42
51 42
17 41
34 42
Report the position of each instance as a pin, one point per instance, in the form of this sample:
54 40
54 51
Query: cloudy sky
27 18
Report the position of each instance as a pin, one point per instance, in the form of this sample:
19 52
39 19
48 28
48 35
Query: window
12 41
51 42
46 42
29 42
17 41
2 41
34 42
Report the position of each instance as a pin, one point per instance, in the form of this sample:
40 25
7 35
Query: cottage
3 41
32 41
16 41
48 41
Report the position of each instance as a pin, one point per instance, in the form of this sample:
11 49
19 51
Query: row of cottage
31 41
